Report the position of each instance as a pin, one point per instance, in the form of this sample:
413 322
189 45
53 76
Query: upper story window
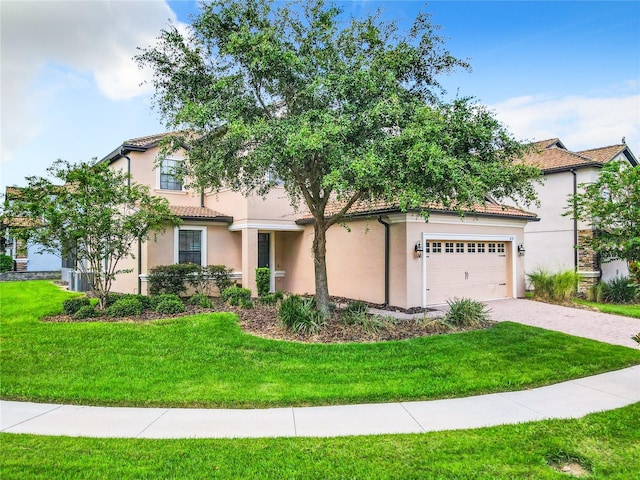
168 177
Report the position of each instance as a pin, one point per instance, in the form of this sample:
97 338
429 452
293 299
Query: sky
70 88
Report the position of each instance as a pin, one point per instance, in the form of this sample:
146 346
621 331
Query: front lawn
605 444
206 360
629 310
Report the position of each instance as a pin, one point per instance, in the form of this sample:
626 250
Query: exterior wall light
521 250
418 249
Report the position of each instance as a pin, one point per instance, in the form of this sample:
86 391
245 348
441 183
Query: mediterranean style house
555 243
385 256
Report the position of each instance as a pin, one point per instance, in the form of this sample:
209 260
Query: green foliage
172 279
201 300
72 305
92 211
170 306
156 299
125 307
356 314
619 290
220 276
356 307
464 312
6 263
554 287
236 296
300 314
327 107
86 311
263 281
612 206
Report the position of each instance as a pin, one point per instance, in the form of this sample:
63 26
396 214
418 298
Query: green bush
72 305
201 301
236 295
157 299
270 299
6 263
263 281
464 312
170 306
172 278
300 315
220 276
87 311
125 307
557 287
619 290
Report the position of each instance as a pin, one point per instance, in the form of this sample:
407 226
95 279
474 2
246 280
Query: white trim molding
278 227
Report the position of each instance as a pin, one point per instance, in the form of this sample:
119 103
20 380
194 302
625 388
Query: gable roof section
139 144
199 213
552 156
368 208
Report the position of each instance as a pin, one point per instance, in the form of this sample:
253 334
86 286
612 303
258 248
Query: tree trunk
320 265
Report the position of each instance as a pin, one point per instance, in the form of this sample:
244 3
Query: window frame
160 173
203 242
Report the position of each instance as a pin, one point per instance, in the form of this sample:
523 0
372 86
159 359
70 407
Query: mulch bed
263 321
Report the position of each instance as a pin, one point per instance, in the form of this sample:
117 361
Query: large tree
612 206
338 109
91 211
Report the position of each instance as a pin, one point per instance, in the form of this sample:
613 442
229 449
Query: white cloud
95 39
581 122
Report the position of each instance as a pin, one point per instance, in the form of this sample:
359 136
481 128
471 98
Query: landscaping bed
263 321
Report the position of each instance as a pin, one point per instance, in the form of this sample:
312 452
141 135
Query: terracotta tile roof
18 222
199 212
552 155
12 192
146 142
604 154
363 208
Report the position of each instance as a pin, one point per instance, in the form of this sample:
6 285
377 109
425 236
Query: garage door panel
471 269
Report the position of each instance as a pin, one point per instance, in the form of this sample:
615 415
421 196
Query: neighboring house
555 242
386 256
26 256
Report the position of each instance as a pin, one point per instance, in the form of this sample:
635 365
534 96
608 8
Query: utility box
80 281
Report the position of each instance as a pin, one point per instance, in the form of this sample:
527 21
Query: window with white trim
168 178
492 248
481 248
459 247
471 247
448 247
437 247
501 248
426 247
190 245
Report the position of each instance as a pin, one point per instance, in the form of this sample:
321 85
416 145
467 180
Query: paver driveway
604 327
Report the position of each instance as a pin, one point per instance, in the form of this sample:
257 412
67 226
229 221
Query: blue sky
69 87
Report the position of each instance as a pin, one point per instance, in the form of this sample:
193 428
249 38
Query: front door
264 250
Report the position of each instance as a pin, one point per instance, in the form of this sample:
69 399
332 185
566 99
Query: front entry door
264 250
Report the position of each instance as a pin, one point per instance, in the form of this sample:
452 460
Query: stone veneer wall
18 276
588 262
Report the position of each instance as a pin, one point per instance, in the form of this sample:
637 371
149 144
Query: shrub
170 306
236 295
464 312
300 315
72 305
113 298
263 281
6 263
87 311
171 278
369 323
270 299
220 276
619 290
557 287
157 299
201 301
125 307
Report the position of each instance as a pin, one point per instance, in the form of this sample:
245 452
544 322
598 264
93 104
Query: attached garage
477 267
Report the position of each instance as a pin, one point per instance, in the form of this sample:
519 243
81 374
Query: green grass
630 310
609 443
206 360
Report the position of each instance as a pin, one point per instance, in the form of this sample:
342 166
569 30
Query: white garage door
470 269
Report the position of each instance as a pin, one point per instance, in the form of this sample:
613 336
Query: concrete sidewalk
571 399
